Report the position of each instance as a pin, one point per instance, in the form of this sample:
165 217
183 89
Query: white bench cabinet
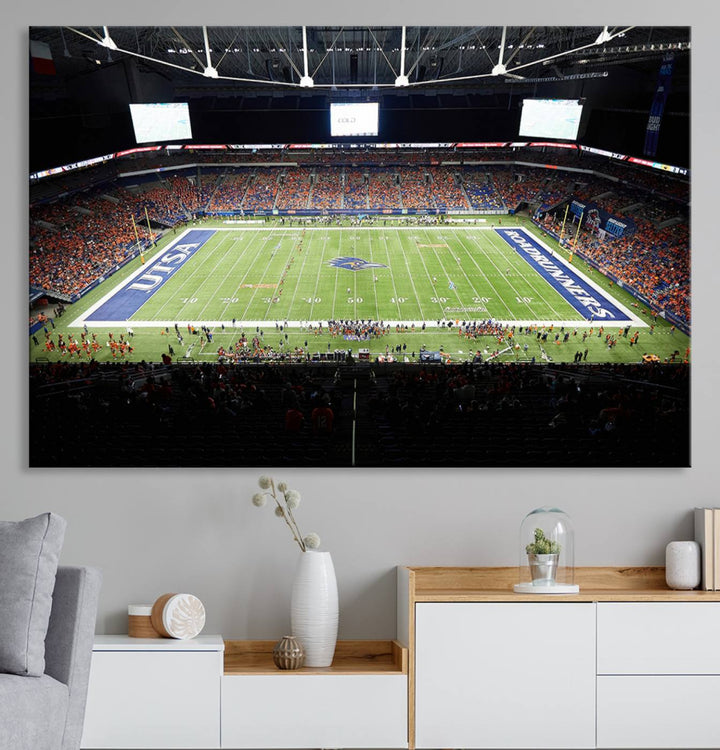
154 693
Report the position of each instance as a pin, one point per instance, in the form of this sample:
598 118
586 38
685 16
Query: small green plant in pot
543 555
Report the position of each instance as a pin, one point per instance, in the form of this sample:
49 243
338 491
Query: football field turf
253 277
408 275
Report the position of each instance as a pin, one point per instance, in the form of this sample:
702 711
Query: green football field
408 274
423 278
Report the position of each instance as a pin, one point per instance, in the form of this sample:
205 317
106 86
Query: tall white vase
314 607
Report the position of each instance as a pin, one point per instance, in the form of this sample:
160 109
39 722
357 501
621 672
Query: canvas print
359 246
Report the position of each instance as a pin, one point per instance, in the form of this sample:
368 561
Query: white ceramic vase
314 607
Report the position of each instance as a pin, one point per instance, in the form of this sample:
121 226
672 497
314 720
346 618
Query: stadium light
402 79
306 81
500 69
605 36
107 40
209 71
66 51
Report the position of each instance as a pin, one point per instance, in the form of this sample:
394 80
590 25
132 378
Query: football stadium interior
359 246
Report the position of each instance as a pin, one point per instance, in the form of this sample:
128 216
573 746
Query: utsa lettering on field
166 265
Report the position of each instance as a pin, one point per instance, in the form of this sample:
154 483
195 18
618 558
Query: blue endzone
588 301
138 290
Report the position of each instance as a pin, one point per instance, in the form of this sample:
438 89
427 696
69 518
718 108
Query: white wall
154 531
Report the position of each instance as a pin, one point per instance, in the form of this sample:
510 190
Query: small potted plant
543 555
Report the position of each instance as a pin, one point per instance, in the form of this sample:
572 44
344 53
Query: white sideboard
154 693
626 663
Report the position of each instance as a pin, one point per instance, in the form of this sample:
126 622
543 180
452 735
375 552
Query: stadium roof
273 58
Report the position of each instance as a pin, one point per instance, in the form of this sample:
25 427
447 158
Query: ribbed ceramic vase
314 607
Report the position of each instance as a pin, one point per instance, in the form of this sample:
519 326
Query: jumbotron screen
161 122
353 119
550 118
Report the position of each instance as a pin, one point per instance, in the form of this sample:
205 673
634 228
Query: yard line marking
392 273
412 280
306 255
265 272
248 269
465 274
335 287
497 295
317 277
449 278
375 286
427 274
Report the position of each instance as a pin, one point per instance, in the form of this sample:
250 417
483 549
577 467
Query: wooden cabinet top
597 584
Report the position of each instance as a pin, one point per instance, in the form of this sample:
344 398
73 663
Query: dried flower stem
286 500
287 516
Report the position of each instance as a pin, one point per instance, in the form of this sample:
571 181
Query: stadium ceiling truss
357 57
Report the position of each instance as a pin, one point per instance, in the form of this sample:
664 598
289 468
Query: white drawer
658 638
658 711
153 699
311 711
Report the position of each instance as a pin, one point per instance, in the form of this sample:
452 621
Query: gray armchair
47 712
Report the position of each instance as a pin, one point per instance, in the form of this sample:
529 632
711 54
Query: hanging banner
652 132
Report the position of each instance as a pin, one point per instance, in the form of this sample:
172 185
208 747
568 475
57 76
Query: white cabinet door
505 675
658 638
153 699
314 711
658 711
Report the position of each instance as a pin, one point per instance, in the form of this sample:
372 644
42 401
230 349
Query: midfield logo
354 264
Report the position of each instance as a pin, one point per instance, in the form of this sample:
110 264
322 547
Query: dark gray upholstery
47 712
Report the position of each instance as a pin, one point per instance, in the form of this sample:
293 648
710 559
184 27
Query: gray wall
154 531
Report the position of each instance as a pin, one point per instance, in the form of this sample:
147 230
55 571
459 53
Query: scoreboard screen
161 122
551 118
353 119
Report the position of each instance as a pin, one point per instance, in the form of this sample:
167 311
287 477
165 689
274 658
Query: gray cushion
29 552
32 712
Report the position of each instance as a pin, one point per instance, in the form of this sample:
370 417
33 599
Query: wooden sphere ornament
179 616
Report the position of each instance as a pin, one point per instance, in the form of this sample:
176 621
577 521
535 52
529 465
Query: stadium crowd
86 235
341 414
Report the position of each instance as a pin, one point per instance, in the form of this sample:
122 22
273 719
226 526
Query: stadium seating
427 415
81 235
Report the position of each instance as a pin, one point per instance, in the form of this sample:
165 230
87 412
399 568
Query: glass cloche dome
546 553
